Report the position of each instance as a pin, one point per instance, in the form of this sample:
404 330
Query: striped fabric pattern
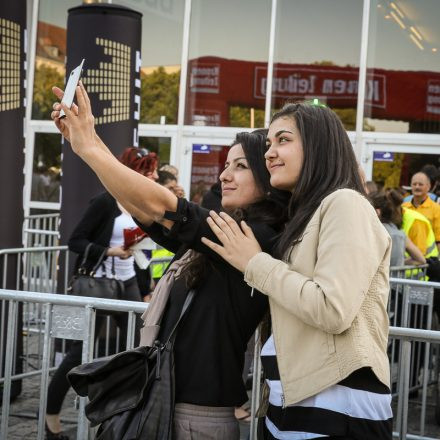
358 407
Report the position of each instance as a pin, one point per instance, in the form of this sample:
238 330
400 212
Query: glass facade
208 162
317 46
404 65
46 168
224 51
226 48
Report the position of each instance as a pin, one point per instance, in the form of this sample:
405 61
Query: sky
306 30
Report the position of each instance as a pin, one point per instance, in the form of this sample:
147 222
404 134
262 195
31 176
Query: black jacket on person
96 227
213 336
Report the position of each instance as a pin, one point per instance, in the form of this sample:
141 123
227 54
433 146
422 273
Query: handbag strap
82 268
186 304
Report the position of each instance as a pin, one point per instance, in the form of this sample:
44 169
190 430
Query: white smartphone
69 92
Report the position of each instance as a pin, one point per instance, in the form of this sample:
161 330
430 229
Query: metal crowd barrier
72 317
36 270
41 230
66 317
409 272
51 316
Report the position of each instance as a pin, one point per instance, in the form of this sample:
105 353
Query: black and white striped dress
359 407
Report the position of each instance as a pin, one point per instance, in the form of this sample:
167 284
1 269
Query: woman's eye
282 139
241 165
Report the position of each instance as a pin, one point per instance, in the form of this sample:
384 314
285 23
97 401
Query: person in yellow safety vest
158 269
418 228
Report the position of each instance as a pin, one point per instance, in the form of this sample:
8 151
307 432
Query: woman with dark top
326 363
100 230
225 311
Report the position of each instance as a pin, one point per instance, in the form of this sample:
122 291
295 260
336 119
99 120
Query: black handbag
131 394
87 284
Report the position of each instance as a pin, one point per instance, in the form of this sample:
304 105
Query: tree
159 96
45 77
241 117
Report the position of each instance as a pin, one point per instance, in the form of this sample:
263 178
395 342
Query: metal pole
130 330
45 369
87 354
269 84
362 79
178 154
256 377
12 309
426 368
405 369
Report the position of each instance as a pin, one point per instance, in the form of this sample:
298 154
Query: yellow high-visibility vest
409 216
158 269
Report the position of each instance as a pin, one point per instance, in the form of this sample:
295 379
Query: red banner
215 84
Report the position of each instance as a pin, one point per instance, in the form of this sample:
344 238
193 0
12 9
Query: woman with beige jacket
325 363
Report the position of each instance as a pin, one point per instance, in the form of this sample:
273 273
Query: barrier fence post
45 369
87 355
130 330
256 378
426 369
12 317
404 388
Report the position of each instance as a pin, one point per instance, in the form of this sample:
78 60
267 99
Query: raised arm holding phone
224 313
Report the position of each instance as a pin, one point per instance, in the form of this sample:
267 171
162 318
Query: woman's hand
78 127
118 251
239 245
55 115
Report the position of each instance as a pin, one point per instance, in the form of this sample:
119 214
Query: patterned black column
109 38
12 105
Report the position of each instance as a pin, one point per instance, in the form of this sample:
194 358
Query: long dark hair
270 209
329 164
389 203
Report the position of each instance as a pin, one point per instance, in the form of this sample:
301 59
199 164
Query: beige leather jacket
329 301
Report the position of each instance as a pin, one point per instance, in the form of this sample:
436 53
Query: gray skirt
194 422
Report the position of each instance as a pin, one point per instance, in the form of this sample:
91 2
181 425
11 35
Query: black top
96 227
211 341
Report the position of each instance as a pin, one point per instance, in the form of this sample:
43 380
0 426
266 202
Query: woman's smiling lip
273 166
227 188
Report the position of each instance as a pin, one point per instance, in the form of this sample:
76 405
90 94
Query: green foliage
348 118
45 77
241 117
388 173
159 96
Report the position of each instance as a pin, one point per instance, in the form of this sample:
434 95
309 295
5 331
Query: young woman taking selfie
325 364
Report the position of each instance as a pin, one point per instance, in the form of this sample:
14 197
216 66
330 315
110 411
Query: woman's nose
225 176
269 154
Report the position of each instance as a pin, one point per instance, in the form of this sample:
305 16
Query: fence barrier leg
256 378
130 330
87 355
404 390
45 369
12 312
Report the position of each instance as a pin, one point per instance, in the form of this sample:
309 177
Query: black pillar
109 38
12 105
